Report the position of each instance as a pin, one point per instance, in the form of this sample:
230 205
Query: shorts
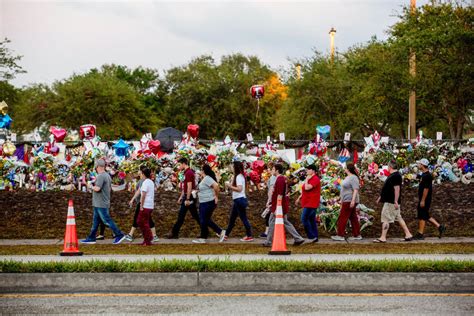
390 214
424 212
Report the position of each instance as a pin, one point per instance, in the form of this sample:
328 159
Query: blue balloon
5 121
121 148
323 131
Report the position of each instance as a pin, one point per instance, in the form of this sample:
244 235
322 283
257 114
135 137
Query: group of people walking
201 199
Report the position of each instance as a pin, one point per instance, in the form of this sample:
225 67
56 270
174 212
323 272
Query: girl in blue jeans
239 208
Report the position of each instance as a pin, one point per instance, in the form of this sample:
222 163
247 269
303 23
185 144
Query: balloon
121 148
193 130
255 177
258 166
58 133
257 91
87 131
5 121
323 131
373 168
8 148
3 108
154 146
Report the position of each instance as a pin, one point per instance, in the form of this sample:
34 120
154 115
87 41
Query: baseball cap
424 162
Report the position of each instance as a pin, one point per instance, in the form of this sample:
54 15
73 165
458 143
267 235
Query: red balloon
255 177
87 131
257 91
154 146
58 133
211 158
193 130
258 166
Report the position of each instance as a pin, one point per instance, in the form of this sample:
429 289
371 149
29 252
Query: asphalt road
240 304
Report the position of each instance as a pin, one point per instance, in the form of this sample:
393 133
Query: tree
8 62
442 36
318 98
101 99
33 108
217 98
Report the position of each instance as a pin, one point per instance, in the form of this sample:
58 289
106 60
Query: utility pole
298 71
412 99
332 32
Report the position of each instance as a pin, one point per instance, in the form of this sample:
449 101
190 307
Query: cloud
58 38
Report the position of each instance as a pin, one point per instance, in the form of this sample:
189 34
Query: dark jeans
308 218
239 209
182 214
101 227
144 223
135 218
104 215
205 213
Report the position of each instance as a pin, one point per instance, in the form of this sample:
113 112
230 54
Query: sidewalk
238 257
257 242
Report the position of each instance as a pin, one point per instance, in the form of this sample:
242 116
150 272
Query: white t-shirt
149 187
239 181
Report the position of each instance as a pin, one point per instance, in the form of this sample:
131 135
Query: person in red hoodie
281 188
310 198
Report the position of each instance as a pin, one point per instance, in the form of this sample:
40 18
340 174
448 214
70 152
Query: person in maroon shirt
310 198
281 188
186 199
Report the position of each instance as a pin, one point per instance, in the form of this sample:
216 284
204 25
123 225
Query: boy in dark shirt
425 191
391 199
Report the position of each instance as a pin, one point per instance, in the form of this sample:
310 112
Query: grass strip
216 265
195 249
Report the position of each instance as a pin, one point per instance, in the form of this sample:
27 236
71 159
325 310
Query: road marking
236 295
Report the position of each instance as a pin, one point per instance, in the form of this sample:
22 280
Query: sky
59 38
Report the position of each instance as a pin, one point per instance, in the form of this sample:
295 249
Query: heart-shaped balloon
258 166
193 130
154 146
58 133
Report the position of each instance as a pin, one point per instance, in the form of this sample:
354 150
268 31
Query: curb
236 282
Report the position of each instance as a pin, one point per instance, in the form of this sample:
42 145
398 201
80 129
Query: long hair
208 172
352 169
238 169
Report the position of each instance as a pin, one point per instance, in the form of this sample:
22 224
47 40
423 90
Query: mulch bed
42 215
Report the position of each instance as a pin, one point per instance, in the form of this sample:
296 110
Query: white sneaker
355 238
199 241
129 238
222 236
338 238
156 239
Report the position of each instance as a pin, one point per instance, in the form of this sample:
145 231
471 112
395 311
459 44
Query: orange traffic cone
279 237
71 245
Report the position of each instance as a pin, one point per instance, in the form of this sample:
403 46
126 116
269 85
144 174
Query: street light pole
332 32
412 99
